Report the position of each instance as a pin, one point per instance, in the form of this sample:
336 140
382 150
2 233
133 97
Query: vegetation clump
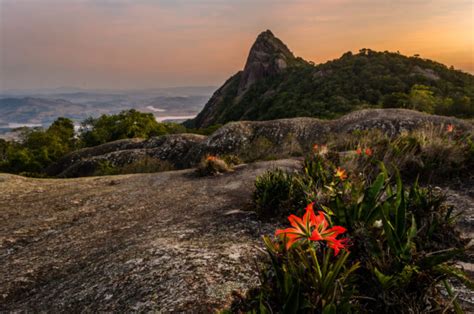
38 148
213 165
126 124
433 153
275 191
398 252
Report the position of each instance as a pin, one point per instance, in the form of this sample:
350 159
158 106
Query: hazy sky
159 43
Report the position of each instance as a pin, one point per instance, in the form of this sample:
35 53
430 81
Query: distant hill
276 84
36 111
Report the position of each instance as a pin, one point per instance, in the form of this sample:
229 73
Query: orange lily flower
315 148
321 231
359 151
368 152
341 173
313 228
338 244
450 128
301 227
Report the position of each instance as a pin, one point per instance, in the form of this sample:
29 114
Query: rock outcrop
248 140
171 148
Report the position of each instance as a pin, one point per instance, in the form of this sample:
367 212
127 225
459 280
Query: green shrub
126 124
39 148
272 192
275 192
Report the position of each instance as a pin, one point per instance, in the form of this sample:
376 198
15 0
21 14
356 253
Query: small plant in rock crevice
212 165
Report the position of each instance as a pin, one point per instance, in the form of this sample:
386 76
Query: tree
463 106
4 146
126 124
422 98
64 128
396 100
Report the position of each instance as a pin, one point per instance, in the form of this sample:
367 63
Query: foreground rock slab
168 241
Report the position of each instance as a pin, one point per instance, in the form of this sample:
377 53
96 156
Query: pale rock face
281 63
428 73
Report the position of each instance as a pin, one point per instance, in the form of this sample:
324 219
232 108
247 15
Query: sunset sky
124 44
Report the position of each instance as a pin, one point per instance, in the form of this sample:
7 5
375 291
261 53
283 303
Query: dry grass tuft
213 165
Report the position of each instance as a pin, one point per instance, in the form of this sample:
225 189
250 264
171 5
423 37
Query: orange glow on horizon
143 43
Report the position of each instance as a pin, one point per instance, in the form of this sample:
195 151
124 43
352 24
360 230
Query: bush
276 190
212 165
39 148
273 192
126 124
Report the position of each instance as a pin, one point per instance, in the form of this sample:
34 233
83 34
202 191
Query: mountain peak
268 56
266 34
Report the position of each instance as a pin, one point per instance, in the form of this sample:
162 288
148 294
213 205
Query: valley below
41 108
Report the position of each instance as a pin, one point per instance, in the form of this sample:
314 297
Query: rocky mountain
247 140
275 84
